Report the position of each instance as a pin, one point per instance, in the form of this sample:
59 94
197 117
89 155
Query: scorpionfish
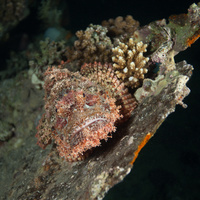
82 108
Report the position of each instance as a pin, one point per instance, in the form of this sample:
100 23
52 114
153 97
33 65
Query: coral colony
118 64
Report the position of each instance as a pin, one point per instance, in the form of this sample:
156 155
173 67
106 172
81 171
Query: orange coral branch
192 39
141 145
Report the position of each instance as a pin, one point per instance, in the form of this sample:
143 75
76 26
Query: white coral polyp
129 62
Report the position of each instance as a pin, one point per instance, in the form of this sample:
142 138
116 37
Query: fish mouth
88 123
87 131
